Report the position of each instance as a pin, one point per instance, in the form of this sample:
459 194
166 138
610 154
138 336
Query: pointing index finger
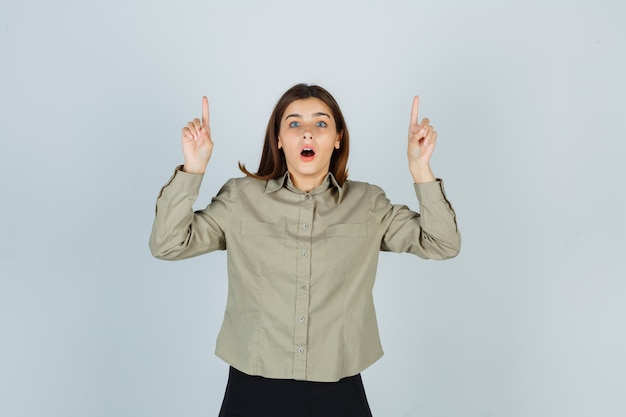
416 103
205 113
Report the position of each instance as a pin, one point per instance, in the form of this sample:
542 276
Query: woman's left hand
422 139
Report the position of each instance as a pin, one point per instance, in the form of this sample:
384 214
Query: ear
338 142
280 144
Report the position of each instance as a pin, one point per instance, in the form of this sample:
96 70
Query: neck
307 184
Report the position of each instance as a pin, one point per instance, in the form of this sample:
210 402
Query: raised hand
197 143
422 139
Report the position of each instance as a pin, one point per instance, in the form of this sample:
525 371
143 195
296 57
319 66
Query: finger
416 103
187 133
419 130
192 129
198 124
205 113
430 137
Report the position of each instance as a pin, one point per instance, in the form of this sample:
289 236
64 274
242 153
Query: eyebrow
319 113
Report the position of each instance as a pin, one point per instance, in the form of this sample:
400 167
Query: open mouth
307 152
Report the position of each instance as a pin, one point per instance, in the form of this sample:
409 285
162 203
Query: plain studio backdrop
528 100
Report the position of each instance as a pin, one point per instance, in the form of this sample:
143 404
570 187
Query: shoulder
356 187
244 187
240 189
364 194
244 183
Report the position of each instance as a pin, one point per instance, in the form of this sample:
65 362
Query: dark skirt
255 396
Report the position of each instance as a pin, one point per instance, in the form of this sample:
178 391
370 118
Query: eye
321 124
294 124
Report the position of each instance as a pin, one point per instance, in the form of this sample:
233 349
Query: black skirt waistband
256 396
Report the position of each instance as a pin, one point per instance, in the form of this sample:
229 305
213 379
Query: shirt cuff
184 181
430 191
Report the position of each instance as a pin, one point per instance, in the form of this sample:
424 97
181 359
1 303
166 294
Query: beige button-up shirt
301 266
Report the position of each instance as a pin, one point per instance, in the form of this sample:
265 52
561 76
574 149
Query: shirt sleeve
178 232
432 233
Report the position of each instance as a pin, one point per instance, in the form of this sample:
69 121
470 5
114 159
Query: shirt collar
276 184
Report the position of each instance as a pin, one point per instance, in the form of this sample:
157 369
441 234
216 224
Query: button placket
303 276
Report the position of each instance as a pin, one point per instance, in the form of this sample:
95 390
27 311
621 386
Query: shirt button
301 319
306 197
305 226
304 254
303 287
300 350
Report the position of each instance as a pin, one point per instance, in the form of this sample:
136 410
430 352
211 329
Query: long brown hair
273 164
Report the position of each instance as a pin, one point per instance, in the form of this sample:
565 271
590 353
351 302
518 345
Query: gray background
528 100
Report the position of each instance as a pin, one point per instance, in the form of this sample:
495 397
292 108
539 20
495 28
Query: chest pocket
344 244
264 244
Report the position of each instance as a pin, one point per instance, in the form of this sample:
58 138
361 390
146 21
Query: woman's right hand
197 143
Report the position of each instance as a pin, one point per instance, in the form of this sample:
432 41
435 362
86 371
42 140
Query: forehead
307 107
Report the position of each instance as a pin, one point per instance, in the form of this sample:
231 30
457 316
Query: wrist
191 169
421 172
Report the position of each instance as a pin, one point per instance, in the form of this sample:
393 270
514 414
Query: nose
307 134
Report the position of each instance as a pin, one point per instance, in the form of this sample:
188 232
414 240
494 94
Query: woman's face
308 135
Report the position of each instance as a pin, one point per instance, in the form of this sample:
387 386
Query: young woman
302 247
